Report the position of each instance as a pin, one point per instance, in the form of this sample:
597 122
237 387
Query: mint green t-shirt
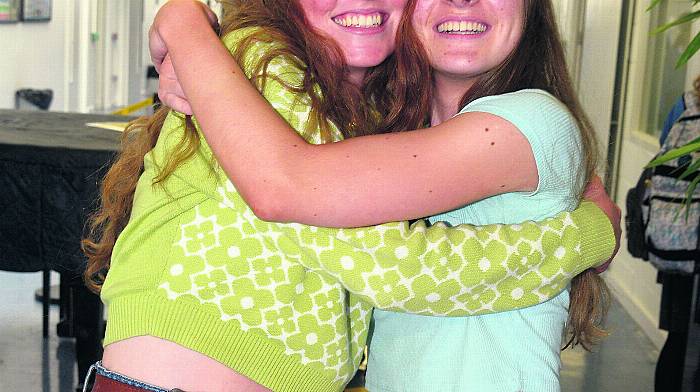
510 351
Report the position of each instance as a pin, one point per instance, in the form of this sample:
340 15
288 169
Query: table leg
46 301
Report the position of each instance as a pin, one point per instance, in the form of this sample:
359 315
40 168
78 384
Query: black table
50 165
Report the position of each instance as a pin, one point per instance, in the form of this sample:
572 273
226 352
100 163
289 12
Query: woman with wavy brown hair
202 294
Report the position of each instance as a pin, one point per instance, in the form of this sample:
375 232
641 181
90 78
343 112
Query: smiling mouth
366 21
461 27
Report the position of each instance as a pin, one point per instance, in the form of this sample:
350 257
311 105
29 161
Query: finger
177 90
213 18
168 89
167 79
602 268
167 68
594 187
157 48
176 103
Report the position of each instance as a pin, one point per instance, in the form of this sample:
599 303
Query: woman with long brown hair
202 294
477 49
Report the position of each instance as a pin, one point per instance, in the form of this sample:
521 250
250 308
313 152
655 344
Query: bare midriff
168 365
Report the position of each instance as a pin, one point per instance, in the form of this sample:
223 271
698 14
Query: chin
459 68
365 62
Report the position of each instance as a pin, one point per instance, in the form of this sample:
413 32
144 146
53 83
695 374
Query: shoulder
529 103
262 54
277 73
534 112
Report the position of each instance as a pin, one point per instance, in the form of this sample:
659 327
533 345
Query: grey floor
625 362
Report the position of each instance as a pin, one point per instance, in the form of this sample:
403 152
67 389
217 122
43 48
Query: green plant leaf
692 48
689 194
653 4
683 19
676 153
695 166
691 189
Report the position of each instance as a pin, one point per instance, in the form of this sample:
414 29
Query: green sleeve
437 270
456 271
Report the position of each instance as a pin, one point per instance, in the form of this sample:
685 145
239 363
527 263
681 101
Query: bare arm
357 182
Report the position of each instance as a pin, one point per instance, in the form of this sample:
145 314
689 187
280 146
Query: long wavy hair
393 97
590 297
539 62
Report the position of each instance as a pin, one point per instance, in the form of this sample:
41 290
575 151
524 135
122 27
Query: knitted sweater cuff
597 236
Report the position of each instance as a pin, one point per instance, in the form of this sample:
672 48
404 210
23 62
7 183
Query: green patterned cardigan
288 305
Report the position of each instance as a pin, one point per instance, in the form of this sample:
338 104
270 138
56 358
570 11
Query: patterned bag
670 226
637 203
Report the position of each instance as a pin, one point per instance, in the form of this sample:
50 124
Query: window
654 82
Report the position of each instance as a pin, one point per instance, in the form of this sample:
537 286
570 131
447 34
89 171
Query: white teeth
461 27
363 21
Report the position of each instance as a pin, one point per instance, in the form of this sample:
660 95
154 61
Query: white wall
633 281
92 54
598 60
32 55
88 54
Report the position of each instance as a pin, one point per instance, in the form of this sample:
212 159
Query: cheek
419 21
397 4
395 8
508 5
314 8
513 38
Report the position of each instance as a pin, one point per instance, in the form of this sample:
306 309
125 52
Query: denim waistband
104 372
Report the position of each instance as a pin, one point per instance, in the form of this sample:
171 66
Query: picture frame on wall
36 10
9 11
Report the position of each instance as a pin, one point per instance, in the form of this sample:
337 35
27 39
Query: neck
356 75
447 92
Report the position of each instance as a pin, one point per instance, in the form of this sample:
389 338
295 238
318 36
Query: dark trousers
676 302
